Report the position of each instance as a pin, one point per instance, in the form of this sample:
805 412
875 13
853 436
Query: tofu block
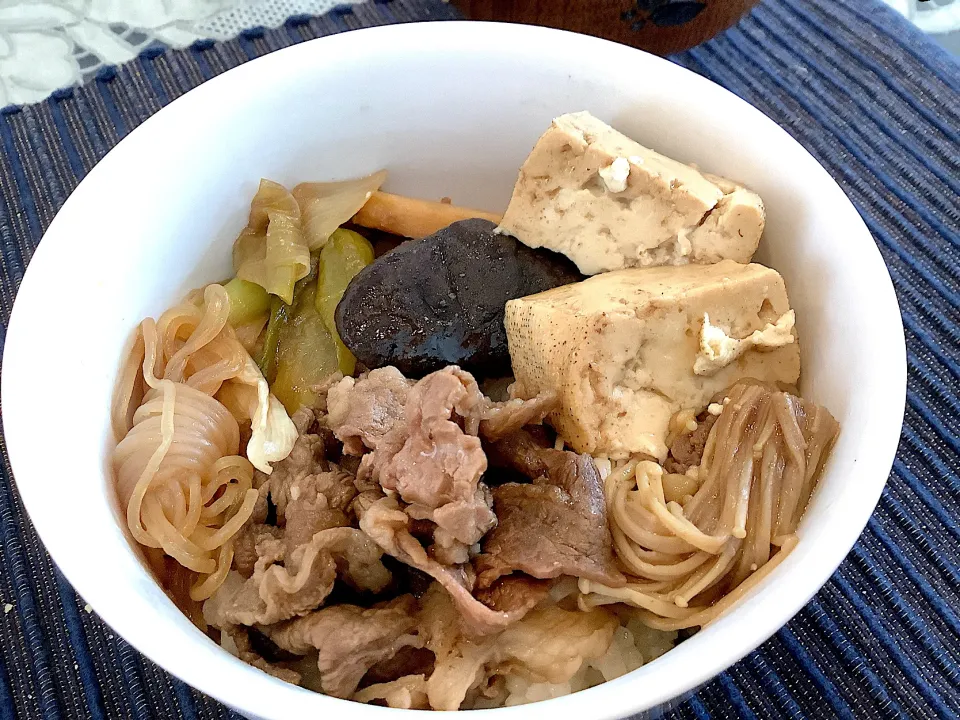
609 203
626 350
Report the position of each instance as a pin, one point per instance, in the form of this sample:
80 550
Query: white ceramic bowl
450 109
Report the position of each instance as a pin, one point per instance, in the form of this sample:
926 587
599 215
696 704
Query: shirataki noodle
180 478
691 561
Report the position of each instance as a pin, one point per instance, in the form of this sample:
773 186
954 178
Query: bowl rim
251 691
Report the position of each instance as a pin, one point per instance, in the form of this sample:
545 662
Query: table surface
874 100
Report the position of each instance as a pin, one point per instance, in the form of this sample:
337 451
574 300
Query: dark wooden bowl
658 26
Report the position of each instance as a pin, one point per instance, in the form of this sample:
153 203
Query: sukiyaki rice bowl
453 367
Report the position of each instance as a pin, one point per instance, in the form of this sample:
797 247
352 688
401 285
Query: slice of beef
520 452
389 526
408 661
316 502
503 418
549 644
308 492
245 553
362 411
434 461
556 525
280 588
350 640
261 483
358 558
308 457
687 450
364 500
517 592
303 419
291 583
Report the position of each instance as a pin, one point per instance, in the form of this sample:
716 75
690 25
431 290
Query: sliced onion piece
326 206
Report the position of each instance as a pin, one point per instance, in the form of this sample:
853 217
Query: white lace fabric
937 17
50 44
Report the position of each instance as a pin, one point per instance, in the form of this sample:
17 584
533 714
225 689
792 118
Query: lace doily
932 16
49 44
939 18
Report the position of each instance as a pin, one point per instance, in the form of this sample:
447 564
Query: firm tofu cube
609 203
626 350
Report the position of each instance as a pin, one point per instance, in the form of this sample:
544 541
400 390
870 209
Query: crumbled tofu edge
717 349
616 175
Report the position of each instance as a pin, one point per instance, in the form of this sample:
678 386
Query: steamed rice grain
634 645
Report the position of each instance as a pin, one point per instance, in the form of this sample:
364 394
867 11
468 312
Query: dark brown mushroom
440 300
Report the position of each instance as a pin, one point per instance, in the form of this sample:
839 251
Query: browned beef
364 500
310 493
358 558
503 418
687 450
434 461
389 526
308 457
408 661
429 458
287 583
350 640
261 483
556 525
245 554
316 502
517 592
362 411
282 586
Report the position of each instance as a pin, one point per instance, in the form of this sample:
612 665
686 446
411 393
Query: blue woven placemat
875 101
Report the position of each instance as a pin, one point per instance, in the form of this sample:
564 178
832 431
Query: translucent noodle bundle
694 557
180 477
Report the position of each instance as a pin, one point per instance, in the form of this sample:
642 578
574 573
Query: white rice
634 644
